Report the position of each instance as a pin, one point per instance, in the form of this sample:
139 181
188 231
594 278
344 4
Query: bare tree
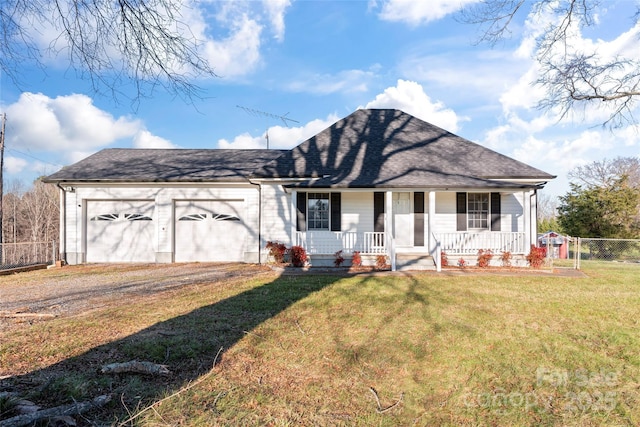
606 173
115 44
40 207
572 78
547 206
12 212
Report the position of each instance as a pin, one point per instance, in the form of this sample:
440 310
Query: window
136 217
224 217
106 217
478 210
193 217
318 211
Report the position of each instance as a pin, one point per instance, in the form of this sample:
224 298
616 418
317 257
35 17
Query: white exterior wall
276 215
445 217
511 212
357 212
164 197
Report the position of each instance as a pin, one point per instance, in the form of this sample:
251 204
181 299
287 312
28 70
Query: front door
402 219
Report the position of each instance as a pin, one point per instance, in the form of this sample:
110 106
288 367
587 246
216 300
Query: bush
506 258
277 251
444 260
298 256
462 263
356 260
536 256
339 258
381 262
484 257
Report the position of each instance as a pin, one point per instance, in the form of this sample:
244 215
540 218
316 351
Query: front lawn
377 349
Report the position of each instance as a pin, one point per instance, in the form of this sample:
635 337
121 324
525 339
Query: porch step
408 261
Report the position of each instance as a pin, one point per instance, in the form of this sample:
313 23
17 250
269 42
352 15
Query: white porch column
533 198
388 226
526 209
294 216
430 222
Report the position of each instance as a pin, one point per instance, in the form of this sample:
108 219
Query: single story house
378 181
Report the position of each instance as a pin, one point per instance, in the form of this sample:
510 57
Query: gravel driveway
69 290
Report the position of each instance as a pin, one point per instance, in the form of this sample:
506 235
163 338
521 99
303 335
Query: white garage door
209 230
120 231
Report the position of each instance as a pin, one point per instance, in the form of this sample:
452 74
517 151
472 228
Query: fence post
579 253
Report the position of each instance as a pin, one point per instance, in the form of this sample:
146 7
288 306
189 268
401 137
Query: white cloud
239 53
346 81
14 165
416 12
62 123
145 139
410 97
479 75
280 137
275 10
232 42
66 129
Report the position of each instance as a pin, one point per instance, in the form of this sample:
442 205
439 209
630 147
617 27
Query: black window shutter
461 211
336 208
378 212
301 212
495 211
418 218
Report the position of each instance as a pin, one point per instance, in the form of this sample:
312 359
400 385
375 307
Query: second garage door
209 230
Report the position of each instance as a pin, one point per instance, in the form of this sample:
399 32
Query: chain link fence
613 250
16 255
564 251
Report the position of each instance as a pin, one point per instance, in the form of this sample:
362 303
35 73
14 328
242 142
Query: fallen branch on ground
59 411
381 410
136 367
182 390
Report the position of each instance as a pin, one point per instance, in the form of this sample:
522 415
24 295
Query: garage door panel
120 231
209 231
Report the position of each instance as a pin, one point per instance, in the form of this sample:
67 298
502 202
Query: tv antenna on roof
258 113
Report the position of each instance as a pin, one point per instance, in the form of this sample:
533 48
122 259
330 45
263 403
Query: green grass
308 350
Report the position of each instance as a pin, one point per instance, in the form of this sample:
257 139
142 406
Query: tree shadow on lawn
190 345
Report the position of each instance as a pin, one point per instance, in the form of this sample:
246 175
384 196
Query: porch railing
329 242
468 243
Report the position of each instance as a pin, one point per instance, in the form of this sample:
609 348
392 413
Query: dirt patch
43 294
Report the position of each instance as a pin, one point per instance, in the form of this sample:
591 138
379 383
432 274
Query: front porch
411 228
322 245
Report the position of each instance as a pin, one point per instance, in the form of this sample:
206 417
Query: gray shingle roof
166 165
390 148
369 148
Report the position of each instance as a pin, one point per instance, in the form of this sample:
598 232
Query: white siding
512 218
445 220
276 215
357 212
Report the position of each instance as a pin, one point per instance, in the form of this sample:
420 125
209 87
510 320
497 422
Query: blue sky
316 62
